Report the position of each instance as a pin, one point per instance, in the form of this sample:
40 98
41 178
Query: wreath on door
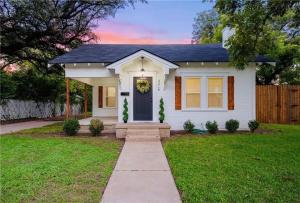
143 86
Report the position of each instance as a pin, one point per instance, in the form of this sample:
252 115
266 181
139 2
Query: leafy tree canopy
38 30
261 26
267 27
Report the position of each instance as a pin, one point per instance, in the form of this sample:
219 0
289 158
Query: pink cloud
110 32
106 37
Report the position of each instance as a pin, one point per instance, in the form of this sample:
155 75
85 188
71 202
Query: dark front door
142 102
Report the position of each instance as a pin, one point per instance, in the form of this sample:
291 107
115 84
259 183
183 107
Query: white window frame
104 97
184 90
223 92
204 91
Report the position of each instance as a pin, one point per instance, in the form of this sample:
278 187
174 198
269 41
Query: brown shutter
230 92
177 93
100 97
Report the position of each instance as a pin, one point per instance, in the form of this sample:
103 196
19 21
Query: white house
195 82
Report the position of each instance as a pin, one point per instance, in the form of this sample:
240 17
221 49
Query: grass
41 167
238 168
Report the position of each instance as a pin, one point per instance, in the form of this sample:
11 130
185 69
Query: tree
206 28
38 30
8 87
259 24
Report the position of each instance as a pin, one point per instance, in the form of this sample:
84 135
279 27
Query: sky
157 22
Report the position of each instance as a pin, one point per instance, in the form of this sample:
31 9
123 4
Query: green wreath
143 86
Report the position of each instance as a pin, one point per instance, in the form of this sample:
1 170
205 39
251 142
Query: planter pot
125 121
161 121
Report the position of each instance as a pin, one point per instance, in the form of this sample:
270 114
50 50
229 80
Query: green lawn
238 168
41 167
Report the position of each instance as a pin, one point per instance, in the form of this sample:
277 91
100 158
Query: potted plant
161 111
125 111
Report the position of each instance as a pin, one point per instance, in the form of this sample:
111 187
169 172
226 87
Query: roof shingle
109 53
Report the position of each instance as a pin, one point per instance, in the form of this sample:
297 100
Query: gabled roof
110 53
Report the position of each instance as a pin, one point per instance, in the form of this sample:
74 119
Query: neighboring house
195 81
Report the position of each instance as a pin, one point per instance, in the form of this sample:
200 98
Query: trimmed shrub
232 125
125 111
71 127
161 110
96 126
253 125
188 126
212 127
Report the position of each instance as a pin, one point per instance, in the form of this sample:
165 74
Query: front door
142 99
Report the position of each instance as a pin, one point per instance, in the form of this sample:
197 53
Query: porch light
142 60
217 63
187 63
202 63
74 64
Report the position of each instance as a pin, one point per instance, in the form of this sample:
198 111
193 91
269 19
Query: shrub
96 126
253 125
188 126
161 110
212 127
232 125
125 111
71 127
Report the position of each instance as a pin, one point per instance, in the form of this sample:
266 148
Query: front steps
144 131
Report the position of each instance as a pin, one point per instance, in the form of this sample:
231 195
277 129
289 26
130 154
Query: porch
109 124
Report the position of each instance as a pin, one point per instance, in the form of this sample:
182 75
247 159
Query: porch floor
105 120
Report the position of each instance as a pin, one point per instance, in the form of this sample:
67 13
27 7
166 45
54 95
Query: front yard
237 168
40 167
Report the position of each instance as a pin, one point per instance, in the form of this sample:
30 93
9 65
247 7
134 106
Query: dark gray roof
109 53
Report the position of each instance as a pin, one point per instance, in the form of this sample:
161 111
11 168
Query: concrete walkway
14 127
142 175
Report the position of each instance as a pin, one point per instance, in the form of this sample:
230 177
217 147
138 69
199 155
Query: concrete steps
143 133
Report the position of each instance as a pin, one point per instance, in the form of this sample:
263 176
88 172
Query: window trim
223 89
185 93
204 91
104 97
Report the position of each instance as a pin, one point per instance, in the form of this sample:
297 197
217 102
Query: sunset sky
158 22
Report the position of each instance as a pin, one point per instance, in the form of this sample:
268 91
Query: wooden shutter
177 93
100 97
230 92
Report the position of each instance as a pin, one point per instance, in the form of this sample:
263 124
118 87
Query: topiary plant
232 125
188 126
212 127
253 125
125 111
71 127
96 126
161 111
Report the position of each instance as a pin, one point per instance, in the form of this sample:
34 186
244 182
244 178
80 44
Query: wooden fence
278 104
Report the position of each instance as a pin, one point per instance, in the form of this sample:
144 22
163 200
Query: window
109 97
192 91
215 92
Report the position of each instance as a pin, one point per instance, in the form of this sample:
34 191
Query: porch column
85 101
67 98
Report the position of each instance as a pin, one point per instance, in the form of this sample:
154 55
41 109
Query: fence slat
278 104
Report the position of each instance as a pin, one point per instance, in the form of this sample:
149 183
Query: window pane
110 97
192 100
192 85
215 100
192 89
215 85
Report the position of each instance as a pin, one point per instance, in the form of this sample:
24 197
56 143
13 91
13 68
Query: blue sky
152 23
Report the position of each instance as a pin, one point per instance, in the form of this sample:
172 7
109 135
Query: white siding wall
244 109
104 112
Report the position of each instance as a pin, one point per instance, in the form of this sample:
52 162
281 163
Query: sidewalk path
142 175
14 127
